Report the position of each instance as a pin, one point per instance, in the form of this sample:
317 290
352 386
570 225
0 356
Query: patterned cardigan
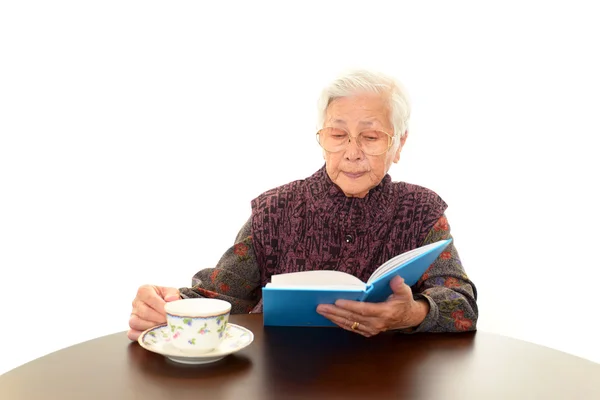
239 276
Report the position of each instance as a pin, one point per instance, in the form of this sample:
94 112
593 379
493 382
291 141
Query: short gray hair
360 81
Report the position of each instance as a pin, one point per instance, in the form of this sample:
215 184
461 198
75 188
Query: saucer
158 340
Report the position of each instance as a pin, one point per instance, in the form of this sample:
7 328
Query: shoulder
418 195
290 191
274 205
419 207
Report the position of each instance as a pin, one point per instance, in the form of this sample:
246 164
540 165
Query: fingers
138 324
345 323
133 334
397 282
148 308
400 290
144 312
360 308
151 296
169 293
345 319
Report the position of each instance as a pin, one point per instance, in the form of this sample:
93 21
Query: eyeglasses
371 142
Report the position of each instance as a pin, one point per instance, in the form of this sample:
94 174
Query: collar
327 199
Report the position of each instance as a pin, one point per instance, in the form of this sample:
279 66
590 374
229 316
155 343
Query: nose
353 152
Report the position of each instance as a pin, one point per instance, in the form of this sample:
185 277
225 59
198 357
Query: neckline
327 199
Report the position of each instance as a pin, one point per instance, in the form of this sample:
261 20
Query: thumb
398 287
169 293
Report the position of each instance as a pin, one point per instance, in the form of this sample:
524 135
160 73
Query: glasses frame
350 137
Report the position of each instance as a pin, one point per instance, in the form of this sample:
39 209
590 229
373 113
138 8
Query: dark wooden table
312 363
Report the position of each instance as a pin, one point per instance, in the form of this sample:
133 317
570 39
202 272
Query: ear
402 141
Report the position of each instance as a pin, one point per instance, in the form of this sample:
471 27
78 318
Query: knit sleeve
235 278
451 295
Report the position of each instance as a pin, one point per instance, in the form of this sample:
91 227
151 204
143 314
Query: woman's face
351 169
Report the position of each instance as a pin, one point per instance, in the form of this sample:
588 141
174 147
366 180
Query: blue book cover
292 299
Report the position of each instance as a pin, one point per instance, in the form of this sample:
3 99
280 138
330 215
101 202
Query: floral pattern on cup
157 336
161 335
197 333
203 330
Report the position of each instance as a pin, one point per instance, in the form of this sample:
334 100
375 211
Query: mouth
353 175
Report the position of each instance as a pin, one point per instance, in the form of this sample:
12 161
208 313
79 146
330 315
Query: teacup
197 325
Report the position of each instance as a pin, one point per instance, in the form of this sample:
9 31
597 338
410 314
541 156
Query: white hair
360 81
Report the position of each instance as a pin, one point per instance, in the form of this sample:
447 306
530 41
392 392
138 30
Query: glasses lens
371 142
333 139
374 142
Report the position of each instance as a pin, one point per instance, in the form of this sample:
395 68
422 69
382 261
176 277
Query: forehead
367 108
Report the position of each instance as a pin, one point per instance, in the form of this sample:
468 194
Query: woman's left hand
399 311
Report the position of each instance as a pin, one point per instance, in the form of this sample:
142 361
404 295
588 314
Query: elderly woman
347 216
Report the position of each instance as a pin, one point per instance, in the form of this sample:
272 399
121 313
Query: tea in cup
197 325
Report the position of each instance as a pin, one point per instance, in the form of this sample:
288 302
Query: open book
291 299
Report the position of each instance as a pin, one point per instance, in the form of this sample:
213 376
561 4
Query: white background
135 133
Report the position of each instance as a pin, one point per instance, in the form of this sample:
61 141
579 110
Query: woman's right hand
149 308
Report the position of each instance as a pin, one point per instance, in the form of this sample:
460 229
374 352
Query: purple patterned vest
310 224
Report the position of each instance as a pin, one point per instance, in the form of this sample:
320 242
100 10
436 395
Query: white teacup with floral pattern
197 325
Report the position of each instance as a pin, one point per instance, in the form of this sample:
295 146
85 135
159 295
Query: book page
399 260
315 278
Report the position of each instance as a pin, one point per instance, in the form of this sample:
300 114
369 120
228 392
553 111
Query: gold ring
355 326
